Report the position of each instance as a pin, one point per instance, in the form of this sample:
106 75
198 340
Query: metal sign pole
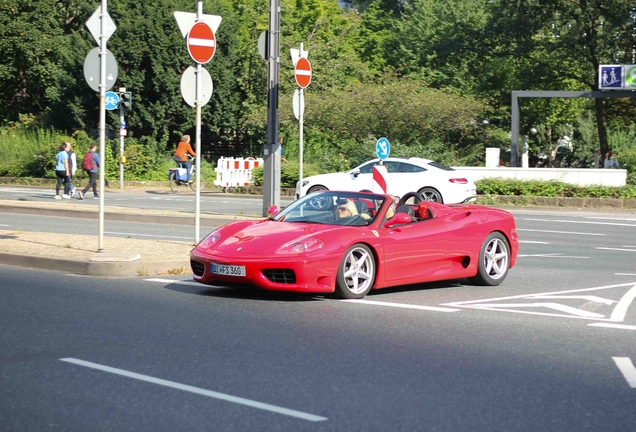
102 122
197 194
300 130
121 142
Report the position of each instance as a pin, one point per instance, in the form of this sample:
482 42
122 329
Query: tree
562 43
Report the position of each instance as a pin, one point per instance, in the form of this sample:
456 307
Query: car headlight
305 183
300 246
207 242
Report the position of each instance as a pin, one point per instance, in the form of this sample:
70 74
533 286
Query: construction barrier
235 172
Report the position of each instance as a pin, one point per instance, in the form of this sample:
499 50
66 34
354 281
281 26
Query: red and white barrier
380 174
235 172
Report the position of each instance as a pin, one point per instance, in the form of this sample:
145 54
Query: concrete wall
576 176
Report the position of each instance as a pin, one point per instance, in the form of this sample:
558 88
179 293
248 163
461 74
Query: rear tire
356 273
494 261
431 194
175 185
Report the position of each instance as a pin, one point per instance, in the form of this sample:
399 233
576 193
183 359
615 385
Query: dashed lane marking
561 232
196 390
554 255
616 249
581 222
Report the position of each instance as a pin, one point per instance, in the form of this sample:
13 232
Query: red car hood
262 238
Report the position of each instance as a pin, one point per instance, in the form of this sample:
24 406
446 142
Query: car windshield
333 208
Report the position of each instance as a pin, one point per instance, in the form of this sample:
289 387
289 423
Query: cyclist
181 155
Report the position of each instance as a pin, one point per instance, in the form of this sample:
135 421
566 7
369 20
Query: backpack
87 162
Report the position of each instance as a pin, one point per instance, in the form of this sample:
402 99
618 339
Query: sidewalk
120 257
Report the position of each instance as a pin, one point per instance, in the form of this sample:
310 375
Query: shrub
496 186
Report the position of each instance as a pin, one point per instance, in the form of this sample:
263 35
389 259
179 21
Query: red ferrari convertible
348 243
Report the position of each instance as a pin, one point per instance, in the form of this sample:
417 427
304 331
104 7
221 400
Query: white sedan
434 181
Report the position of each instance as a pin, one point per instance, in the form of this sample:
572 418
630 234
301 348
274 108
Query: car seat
362 207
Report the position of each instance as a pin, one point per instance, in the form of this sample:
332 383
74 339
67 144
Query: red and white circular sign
201 42
302 72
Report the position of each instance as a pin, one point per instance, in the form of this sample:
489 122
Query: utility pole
271 156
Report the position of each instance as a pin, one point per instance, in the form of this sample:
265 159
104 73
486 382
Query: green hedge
551 189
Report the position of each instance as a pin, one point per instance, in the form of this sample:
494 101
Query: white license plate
227 270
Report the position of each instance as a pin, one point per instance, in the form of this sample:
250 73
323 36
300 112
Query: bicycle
178 178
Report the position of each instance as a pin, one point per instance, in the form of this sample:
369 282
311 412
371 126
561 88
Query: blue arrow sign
383 148
111 100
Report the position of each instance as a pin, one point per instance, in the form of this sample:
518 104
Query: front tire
494 261
356 273
203 178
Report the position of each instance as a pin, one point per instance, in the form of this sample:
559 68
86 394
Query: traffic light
126 101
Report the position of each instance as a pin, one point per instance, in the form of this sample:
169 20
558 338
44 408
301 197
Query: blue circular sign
111 100
383 148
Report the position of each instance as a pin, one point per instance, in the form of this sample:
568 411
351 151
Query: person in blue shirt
62 171
92 173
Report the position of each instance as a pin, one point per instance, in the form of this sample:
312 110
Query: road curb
113 268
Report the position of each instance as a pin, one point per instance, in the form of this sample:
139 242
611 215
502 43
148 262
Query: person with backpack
181 155
90 165
62 172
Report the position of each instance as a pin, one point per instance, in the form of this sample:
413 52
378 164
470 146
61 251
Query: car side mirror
398 219
355 172
273 210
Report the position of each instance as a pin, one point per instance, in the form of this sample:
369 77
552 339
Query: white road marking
621 308
552 256
196 390
627 368
533 242
145 235
556 306
617 314
591 298
614 326
625 274
616 249
179 282
581 222
2 225
561 232
401 305
610 218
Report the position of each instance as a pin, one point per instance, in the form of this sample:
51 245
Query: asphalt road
552 349
211 202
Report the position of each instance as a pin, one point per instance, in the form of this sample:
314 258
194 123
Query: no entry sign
302 72
201 42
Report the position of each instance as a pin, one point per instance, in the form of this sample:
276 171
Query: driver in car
345 209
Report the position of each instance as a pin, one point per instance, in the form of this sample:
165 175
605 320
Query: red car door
415 250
